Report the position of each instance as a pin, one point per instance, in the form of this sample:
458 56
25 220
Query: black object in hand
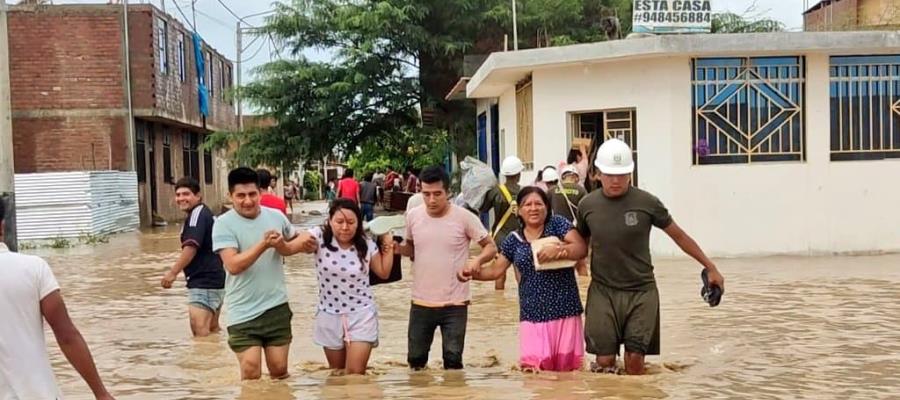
710 294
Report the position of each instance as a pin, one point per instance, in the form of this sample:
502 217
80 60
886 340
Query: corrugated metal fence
73 204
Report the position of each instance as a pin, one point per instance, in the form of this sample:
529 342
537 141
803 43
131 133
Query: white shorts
332 331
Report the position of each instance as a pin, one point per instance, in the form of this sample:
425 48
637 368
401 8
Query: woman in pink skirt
551 334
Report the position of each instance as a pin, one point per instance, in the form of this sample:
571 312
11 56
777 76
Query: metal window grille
865 107
748 110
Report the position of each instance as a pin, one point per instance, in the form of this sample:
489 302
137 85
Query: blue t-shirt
260 287
543 295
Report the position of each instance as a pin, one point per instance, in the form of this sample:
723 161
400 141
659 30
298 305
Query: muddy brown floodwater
788 327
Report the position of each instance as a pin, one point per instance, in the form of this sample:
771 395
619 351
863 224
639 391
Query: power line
186 19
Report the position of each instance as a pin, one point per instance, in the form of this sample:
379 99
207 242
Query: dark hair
368 177
188 182
265 178
573 156
241 176
435 174
2 211
348 173
520 198
359 237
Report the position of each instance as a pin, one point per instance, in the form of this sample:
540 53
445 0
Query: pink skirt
556 345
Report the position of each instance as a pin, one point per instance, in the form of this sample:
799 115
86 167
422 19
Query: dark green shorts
615 317
272 328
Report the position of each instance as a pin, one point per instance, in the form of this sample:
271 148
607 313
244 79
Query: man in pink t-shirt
438 235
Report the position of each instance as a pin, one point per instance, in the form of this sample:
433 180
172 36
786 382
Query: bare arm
188 253
236 263
304 242
691 248
72 343
488 250
496 269
383 261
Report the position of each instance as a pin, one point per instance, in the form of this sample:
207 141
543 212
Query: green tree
392 58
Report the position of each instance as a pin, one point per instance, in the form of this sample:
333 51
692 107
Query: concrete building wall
816 206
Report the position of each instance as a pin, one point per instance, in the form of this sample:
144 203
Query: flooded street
787 328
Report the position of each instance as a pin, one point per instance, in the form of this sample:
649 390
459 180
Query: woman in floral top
551 333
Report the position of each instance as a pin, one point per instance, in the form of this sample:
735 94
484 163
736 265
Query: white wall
811 207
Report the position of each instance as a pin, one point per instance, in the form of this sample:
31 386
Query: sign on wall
671 16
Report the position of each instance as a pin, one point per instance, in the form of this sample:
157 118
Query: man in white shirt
29 294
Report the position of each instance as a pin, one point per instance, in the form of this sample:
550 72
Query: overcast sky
217 26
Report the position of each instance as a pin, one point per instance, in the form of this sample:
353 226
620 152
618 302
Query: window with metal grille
140 149
748 110
190 155
210 82
865 107
207 167
167 157
163 44
182 57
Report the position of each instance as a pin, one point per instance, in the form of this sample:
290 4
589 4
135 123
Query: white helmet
614 158
511 166
569 169
550 175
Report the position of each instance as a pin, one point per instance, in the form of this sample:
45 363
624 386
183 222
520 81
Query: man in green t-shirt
253 241
564 199
623 302
502 199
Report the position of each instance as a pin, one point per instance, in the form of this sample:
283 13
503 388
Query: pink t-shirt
442 248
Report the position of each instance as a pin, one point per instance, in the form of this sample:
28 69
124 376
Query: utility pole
237 93
515 27
7 168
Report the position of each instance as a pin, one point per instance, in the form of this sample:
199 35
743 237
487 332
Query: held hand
550 253
273 238
465 274
167 280
387 243
716 279
309 245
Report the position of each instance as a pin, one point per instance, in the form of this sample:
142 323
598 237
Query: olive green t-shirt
496 200
574 192
619 231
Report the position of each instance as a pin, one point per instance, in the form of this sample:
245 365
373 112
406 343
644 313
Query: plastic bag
477 179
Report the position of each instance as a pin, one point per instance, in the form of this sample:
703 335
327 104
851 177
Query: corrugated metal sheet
72 204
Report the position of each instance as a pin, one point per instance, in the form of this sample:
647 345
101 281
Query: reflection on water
787 328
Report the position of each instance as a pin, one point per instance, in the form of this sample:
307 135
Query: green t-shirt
619 231
574 192
496 200
260 287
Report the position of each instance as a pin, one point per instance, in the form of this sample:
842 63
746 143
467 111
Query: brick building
70 105
849 15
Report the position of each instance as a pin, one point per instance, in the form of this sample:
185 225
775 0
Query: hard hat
569 169
550 175
511 166
614 158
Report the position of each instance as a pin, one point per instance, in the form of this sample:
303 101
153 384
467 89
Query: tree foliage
394 60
